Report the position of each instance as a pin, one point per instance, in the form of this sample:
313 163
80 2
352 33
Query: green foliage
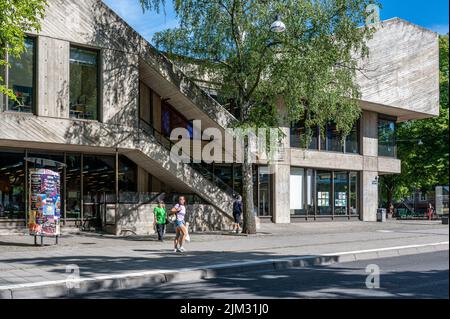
16 18
312 65
424 165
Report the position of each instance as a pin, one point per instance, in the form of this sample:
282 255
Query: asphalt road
414 276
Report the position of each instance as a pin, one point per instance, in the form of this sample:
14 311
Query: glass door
264 192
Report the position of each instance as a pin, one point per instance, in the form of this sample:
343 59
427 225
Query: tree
16 18
311 65
424 165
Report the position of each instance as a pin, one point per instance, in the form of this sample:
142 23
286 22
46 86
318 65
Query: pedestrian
430 211
180 225
391 211
237 213
159 219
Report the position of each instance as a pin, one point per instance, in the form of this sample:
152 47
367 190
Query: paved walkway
95 255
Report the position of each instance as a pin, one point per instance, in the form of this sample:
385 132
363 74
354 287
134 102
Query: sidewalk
26 268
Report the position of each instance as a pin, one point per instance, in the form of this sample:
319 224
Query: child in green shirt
160 219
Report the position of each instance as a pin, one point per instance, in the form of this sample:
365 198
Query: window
21 80
351 141
73 185
12 185
353 197
127 175
323 182
298 136
331 141
297 186
387 145
172 119
340 193
423 197
84 95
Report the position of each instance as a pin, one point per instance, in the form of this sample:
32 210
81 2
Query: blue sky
431 14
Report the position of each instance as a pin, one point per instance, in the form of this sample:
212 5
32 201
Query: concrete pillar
281 169
280 198
369 175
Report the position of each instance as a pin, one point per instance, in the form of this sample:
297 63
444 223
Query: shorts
237 218
179 223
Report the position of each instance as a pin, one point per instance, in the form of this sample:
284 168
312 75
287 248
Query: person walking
180 225
430 211
237 213
159 219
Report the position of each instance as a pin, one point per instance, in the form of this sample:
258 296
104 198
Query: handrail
199 167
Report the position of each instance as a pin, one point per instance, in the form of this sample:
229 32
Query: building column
369 175
281 192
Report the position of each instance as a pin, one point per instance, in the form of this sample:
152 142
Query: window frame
99 66
393 119
6 74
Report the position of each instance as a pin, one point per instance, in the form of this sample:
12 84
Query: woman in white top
180 225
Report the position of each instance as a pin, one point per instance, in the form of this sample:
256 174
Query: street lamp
278 26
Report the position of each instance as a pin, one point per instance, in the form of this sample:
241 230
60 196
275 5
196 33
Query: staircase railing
199 167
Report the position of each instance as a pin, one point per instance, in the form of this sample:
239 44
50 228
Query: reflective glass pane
21 79
340 193
323 182
83 83
351 141
386 138
12 185
297 200
73 184
353 193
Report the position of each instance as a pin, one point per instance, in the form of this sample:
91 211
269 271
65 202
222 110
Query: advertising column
45 203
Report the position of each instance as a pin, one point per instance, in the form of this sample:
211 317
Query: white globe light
278 26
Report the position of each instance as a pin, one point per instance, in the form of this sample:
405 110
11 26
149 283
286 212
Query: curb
63 289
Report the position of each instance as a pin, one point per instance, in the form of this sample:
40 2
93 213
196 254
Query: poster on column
45 203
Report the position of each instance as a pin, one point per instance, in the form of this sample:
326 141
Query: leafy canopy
311 65
16 18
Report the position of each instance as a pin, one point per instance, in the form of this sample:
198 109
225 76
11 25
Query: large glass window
172 119
353 198
340 193
84 83
299 135
73 186
225 173
127 175
323 185
21 79
332 139
351 141
12 185
297 189
387 137
264 191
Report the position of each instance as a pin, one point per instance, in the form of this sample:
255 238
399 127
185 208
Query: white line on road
211 267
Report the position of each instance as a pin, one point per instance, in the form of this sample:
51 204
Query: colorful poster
45 203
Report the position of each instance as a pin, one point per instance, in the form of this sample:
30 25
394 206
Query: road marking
211 267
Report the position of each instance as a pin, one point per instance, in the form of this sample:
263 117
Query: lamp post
278 26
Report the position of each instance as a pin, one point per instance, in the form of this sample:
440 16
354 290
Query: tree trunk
389 195
247 181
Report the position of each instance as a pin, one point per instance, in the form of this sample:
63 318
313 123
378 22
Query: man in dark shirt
237 213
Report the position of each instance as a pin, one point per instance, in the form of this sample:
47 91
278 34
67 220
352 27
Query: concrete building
95 95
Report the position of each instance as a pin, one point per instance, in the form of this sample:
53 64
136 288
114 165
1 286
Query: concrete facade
401 81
